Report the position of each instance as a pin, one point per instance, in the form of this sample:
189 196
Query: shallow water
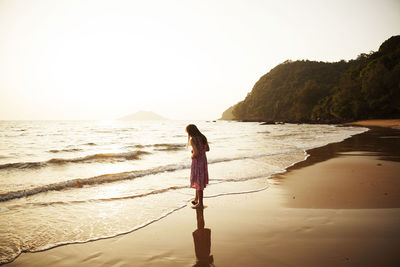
73 181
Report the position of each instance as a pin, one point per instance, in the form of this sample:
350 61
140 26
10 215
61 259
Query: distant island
367 87
142 116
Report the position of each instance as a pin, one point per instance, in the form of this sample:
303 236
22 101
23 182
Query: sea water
65 182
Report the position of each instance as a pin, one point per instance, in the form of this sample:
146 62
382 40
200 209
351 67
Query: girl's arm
195 151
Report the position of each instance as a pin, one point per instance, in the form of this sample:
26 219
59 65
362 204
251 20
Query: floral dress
199 169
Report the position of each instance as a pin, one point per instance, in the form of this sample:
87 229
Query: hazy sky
79 59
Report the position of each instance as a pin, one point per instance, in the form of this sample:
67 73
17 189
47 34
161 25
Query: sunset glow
181 59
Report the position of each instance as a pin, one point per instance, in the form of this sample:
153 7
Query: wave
154 192
168 147
65 150
109 178
21 165
12 255
78 183
255 156
100 157
160 147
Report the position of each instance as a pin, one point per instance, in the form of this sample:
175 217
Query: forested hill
308 91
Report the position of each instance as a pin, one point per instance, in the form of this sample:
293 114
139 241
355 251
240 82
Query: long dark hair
193 131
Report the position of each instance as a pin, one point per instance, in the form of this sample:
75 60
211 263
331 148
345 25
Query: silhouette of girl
199 168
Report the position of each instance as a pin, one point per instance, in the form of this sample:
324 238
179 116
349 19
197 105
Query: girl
199 168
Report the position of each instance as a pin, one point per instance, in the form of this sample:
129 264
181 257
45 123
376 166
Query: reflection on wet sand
202 242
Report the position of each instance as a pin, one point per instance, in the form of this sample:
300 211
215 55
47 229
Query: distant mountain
142 116
308 91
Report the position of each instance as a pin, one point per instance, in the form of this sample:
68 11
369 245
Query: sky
182 59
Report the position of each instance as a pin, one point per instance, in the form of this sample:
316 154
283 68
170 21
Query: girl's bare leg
199 204
200 195
196 198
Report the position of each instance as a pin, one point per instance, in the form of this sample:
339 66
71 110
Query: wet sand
340 207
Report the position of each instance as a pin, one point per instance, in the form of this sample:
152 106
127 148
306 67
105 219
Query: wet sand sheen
341 207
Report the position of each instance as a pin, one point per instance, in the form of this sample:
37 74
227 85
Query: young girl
199 168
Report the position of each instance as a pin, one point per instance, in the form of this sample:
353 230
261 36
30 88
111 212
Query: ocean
64 182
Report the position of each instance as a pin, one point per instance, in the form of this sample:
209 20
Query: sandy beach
340 207
394 123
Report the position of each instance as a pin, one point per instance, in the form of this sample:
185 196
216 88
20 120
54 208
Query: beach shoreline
390 123
340 207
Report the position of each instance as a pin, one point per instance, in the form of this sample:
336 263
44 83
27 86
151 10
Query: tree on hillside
309 91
